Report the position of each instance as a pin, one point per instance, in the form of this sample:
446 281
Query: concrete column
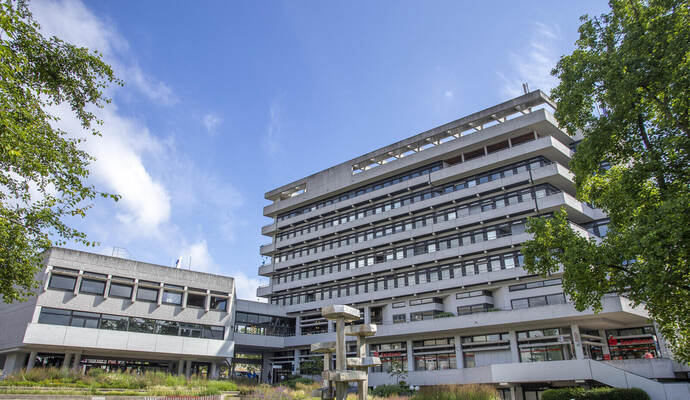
514 352
107 286
77 360
605 345
32 360
295 362
459 359
180 367
207 301
66 361
367 315
13 362
78 284
577 341
410 357
213 372
184 297
188 370
48 274
331 327
266 367
298 328
512 393
134 289
160 294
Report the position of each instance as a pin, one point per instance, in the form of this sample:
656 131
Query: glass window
92 286
113 322
399 318
62 282
170 297
54 316
147 294
191 330
196 300
167 328
143 325
120 290
84 319
537 301
520 303
214 332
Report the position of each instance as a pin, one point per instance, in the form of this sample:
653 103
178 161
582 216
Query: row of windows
407 199
598 228
475 309
391 354
123 287
55 316
428 300
408 224
538 301
538 284
363 190
456 240
492 337
403 279
267 325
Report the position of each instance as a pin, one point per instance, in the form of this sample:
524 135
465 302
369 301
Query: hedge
595 394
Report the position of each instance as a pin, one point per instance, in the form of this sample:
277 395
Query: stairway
617 377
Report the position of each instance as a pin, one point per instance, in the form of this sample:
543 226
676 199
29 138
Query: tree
398 372
312 366
626 88
43 171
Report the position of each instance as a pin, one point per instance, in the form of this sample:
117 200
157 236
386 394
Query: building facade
423 236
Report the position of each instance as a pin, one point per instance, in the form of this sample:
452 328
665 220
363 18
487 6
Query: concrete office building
423 236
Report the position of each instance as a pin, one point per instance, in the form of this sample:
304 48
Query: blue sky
224 101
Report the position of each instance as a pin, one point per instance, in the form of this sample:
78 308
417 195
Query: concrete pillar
459 358
66 361
107 286
184 297
32 360
77 361
295 362
410 357
512 393
160 294
77 285
134 289
46 278
188 370
367 315
298 327
213 371
13 362
331 327
266 367
514 352
180 367
577 341
605 345
207 301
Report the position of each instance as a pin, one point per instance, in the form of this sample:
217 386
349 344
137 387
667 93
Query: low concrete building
119 314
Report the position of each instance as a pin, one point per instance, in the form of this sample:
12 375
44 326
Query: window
92 286
191 330
113 322
54 316
399 319
399 304
196 300
170 297
84 319
62 282
147 294
143 325
167 328
214 332
120 290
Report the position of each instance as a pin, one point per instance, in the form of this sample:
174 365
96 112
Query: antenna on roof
525 87
121 252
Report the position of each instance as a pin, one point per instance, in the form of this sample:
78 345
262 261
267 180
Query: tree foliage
43 171
626 88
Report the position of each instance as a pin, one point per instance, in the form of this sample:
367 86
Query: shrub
595 394
391 390
457 392
294 380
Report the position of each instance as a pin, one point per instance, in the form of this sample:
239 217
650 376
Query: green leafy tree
312 366
626 87
398 372
42 169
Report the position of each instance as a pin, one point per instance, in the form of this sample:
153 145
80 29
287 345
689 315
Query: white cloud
198 256
211 121
246 287
534 64
73 22
271 141
449 94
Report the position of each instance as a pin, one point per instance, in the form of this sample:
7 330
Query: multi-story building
109 312
423 236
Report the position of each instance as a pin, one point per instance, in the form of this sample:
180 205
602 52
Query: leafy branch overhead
43 171
626 88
